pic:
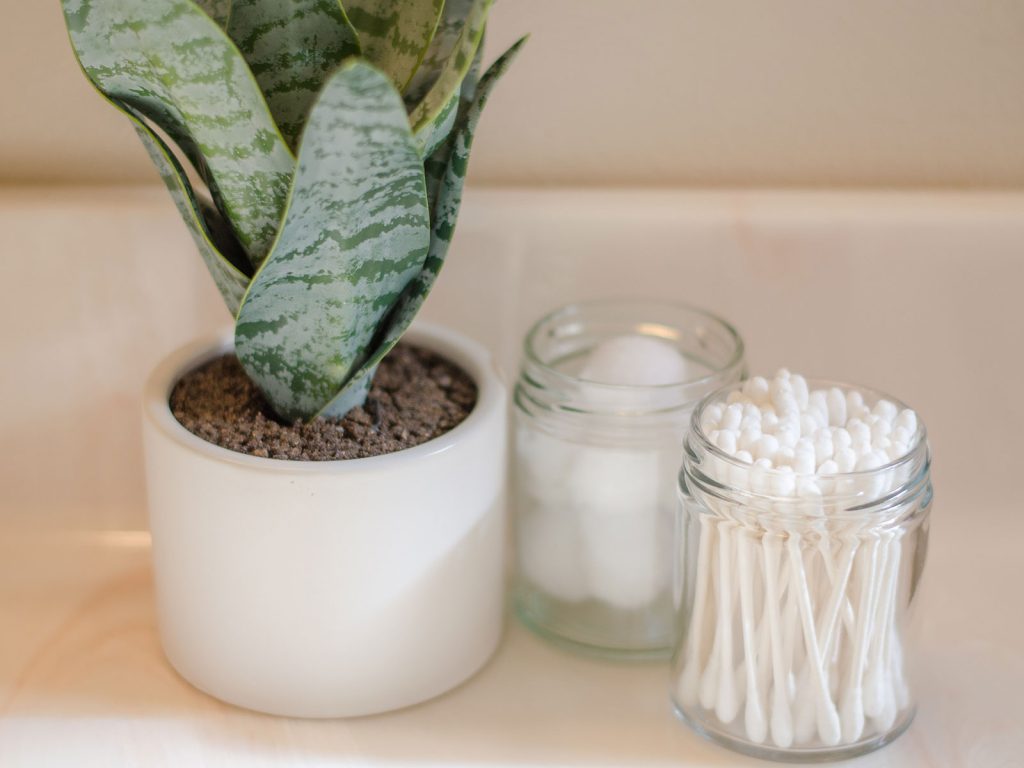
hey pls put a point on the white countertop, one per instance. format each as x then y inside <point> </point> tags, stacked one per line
<point>102,283</point>
<point>83,681</point>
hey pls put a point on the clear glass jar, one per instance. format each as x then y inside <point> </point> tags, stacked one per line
<point>595,468</point>
<point>811,580</point>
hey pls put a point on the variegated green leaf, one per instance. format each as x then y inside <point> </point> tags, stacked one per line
<point>218,10</point>
<point>171,63</point>
<point>454,68</point>
<point>430,136</point>
<point>435,166</point>
<point>467,91</point>
<point>356,232</point>
<point>292,46</point>
<point>453,158</point>
<point>446,38</point>
<point>229,279</point>
<point>395,34</point>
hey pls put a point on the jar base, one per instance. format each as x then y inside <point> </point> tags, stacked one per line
<point>810,755</point>
<point>527,613</point>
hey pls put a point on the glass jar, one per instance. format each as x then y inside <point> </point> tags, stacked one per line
<point>796,598</point>
<point>595,468</point>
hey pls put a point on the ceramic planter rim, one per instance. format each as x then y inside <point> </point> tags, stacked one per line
<point>459,349</point>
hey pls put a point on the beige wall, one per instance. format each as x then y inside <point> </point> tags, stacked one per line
<point>696,92</point>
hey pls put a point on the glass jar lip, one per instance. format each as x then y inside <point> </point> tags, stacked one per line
<point>735,360</point>
<point>918,445</point>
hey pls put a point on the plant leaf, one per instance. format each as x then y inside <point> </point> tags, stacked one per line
<point>229,279</point>
<point>218,10</point>
<point>172,64</point>
<point>292,46</point>
<point>454,68</point>
<point>430,136</point>
<point>356,232</point>
<point>453,158</point>
<point>395,34</point>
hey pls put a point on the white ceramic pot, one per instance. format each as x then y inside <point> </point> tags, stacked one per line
<point>329,589</point>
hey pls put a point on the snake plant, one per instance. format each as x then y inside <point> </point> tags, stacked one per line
<point>332,139</point>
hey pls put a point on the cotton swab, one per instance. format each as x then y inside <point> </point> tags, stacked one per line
<point>828,718</point>
<point>689,683</point>
<point>852,704</point>
<point>781,718</point>
<point>794,638</point>
<point>757,728</point>
<point>727,702</point>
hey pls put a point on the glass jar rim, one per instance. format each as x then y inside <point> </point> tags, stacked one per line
<point>567,310</point>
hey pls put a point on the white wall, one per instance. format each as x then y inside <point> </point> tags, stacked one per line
<point>694,92</point>
<point>916,294</point>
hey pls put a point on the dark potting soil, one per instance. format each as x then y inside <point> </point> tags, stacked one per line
<point>416,396</point>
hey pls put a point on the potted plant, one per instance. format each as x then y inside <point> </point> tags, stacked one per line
<point>327,145</point>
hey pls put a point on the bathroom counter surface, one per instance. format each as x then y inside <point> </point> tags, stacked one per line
<point>83,681</point>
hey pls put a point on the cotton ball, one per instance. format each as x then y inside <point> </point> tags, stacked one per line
<point>617,495</point>
<point>542,461</point>
<point>841,438</point>
<point>636,360</point>
<point>548,524</point>
<point>550,553</point>
<point>769,422</point>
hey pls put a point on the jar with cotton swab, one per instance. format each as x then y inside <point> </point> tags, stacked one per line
<point>602,405</point>
<point>802,538</point>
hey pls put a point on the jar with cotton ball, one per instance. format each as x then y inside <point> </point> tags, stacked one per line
<point>802,539</point>
<point>602,405</point>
